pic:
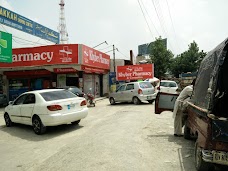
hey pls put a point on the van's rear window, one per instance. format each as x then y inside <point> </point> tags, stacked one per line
<point>57,95</point>
<point>145,85</point>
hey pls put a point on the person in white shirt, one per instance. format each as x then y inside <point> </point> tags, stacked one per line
<point>180,106</point>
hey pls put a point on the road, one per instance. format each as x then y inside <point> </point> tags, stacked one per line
<point>123,137</point>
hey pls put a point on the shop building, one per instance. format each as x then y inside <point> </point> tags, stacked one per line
<point>55,66</point>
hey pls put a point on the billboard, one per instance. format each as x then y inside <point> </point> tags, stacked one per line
<point>5,47</point>
<point>43,55</point>
<point>93,58</point>
<point>135,72</point>
<point>16,21</point>
<point>144,49</point>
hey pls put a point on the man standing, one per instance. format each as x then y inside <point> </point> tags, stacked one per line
<point>180,106</point>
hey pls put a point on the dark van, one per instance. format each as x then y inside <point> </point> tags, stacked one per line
<point>207,113</point>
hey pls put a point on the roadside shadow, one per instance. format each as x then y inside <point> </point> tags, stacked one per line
<point>185,152</point>
<point>26,132</point>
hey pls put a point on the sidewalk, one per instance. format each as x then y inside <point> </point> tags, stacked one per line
<point>100,98</point>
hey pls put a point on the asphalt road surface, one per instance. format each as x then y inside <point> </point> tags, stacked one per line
<point>122,137</point>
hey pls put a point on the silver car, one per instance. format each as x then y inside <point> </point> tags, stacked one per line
<point>133,92</point>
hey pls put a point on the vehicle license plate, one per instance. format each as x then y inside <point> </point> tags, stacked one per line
<point>68,106</point>
<point>220,157</point>
<point>149,97</point>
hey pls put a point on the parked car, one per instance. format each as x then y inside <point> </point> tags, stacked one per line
<point>168,86</point>
<point>133,92</point>
<point>3,100</point>
<point>77,91</point>
<point>207,114</point>
<point>42,108</point>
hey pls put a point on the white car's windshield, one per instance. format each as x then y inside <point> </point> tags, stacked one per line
<point>57,95</point>
<point>145,85</point>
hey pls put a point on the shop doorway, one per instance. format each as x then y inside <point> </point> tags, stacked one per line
<point>72,81</point>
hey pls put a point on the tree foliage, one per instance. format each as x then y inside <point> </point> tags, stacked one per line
<point>160,57</point>
<point>188,61</point>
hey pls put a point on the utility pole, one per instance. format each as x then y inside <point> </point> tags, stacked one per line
<point>114,59</point>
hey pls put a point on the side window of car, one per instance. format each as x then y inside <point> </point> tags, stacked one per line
<point>130,87</point>
<point>30,99</point>
<point>122,88</point>
<point>20,100</point>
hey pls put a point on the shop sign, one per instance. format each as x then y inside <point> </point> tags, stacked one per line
<point>5,47</point>
<point>135,72</point>
<point>44,55</point>
<point>16,21</point>
<point>94,58</point>
<point>93,70</point>
<point>64,70</point>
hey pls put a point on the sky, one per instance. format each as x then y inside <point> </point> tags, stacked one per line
<point>126,23</point>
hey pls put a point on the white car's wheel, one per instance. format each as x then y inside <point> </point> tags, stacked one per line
<point>112,101</point>
<point>8,120</point>
<point>136,100</point>
<point>38,126</point>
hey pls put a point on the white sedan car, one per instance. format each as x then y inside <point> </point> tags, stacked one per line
<point>168,86</point>
<point>43,108</point>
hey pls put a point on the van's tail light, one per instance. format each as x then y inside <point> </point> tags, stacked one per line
<point>54,107</point>
<point>83,103</point>
<point>140,91</point>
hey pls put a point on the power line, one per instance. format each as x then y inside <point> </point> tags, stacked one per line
<point>159,19</point>
<point>106,47</point>
<point>172,23</point>
<point>121,53</point>
<point>145,20</point>
<point>150,18</point>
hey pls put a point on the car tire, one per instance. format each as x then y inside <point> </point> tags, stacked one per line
<point>200,164</point>
<point>150,101</point>
<point>38,126</point>
<point>187,134</point>
<point>136,100</point>
<point>76,122</point>
<point>8,121</point>
<point>112,101</point>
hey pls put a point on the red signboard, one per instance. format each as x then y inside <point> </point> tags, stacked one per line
<point>93,70</point>
<point>94,58</point>
<point>135,72</point>
<point>64,70</point>
<point>44,55</point>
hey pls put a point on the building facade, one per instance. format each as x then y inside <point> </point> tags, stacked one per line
<point>55,66</point>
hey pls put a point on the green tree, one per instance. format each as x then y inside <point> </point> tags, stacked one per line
<point>188,61</point>
<point>160,57</point>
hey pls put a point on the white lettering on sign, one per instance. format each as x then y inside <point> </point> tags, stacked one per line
<point>138,74</point>
<point>134,74</point>
<point>44,56</point>
<point>95,58</point>
<point>126,74</point>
